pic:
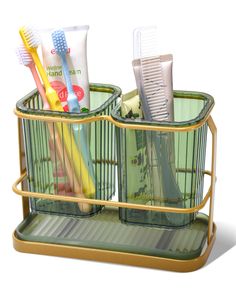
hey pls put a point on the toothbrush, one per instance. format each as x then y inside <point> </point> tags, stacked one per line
<point>25,59</point>
<point>155,108</point>
<point>61,48</point>
<point>31,41</point>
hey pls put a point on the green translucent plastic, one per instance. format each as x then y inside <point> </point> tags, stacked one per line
<point>105,231</point>
<point>139,168</point>
<point>44,168</point>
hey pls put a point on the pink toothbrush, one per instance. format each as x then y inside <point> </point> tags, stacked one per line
<point>26,60</point>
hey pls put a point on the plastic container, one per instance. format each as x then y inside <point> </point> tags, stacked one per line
<point>140,171</point>
<point>46,167</point>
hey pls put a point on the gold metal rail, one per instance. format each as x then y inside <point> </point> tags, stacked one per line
<point>126,205</point>
<point>56,119</point>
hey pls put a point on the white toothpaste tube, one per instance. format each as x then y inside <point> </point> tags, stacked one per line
<point>77,61</point>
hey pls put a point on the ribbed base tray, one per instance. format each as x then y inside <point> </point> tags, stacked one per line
<point>105,231</point>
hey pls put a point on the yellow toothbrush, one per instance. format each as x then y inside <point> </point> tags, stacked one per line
<point>31,42</point>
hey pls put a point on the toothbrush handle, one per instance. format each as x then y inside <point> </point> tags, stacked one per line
<point>39,86</point>
<point>51,94</point>
<point>76,159</point>
<point>40,68</point>
<point>74,184</point>
<point>53,99</point>
<point>70,145</point>
<point>66,73</point>
<point>72,99</point>
<point>79,131</point>
<point>73,103</point>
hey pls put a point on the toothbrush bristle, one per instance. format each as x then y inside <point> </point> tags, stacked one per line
<point>30,37</point>
<point>24,56</point>
<point>59,42</point>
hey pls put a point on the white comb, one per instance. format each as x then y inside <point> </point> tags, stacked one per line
<point>156,107</point>
<point>153,96</point>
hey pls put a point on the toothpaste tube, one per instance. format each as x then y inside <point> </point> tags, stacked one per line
<point>77,61</point>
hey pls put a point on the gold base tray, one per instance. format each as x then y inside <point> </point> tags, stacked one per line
<point>115,256</point>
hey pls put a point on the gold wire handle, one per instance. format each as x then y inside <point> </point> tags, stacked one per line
<point>77,199</point>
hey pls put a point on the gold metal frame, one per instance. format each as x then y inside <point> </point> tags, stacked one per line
<point>114,256</point>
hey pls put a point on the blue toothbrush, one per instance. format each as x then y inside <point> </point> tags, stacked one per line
<point>61,48</point>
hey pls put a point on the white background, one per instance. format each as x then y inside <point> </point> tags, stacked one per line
<point>201,35</point>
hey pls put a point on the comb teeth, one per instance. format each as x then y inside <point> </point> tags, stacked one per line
<point>154,88</point>
<point>24,56</point>
<point>31,37</point>
<point>59,42</point>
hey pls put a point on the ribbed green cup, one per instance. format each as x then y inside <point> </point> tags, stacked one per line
<point>144,175</point>
<point>45,170</point>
